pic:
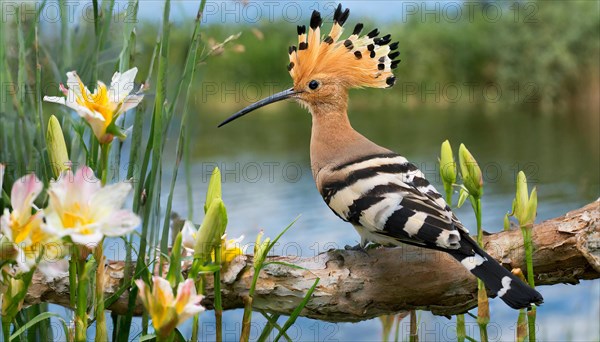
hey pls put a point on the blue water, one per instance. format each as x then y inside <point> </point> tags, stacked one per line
<point>267,183</point>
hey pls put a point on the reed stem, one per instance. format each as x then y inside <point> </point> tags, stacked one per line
<point>483,308</point>
<point>101,331</point>
<point>217,291</point>
<point>531,314</point>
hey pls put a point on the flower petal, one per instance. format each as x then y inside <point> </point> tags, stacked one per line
<point>110,197</point>
<point>24,261</point>
<point>130,102</point>
<point>74,83</point>
<point>55,99</point>
<point>24,192</point>
<point>89,240</point>
<point>187,303</point>
<point>143,293</point>
<point>55,269</point>
<point>162,291</point>
<point>5,224</point>
<point>122,84</point>
<point>119,223</point>
<point>84,185</point>
<point>188,235</point>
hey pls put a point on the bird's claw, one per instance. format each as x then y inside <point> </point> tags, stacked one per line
<point>362,248</point>
<point>358,247</point>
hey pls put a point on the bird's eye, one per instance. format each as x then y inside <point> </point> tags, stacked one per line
<point>313,84</point>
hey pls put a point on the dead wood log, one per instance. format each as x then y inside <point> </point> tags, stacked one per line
<point>359,285</point>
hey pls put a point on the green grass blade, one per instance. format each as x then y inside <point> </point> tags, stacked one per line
<point>285,264</point>
<point>188,78</point>
<point>125,58</point>
<point>65,37</point>
<point>147,337</point>
<point>21,96</point>
<point>3,71</point>
<point>159,105</point>
<point>271,324</point>
<point>40,128</point>
<point>129,36</point>
<point>281,234</point>
<point>292,319</point>
<point>31,34</point>
<point>34,321</point>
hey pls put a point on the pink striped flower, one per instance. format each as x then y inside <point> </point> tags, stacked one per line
<point>167,310</point>
<point>84,211</point>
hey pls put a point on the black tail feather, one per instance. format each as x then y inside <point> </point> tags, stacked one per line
<point>512,290</point>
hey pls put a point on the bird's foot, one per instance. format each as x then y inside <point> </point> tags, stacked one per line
<point>362,248</point>
<point>358,247</point>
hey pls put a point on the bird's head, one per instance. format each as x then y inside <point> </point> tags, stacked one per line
<point>323,69</point>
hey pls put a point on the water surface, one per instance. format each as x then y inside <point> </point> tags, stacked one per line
<point>267,183</point>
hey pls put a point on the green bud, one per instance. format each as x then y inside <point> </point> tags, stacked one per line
<point>447,166</point>
<point>524,205</point>
<point>522,196</point>
<point>532,207</point>
<point>470,172</point>
<point>260,252</point>
<point>258,241</point>
<point>214,188</point>
<point>210,231</point>
<point>57,149</point>
<point>174,275</point>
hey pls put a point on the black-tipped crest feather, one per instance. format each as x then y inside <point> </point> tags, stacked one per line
<point>315,20</point>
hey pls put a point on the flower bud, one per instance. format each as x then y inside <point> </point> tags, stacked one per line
<point>260,251</point>
<point>524,205</point>
<point>447,166</point>
<point>214,188</point>
<point>210,231</point>
<point>57,149</point>
<point>470,171</point>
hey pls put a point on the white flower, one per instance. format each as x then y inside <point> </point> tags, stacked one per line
<point>23,229</point>
<point>80,208</point>
<point>188,235</point>
<point>103,106</point>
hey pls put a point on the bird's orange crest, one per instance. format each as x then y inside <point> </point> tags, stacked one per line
<point>358,61</point>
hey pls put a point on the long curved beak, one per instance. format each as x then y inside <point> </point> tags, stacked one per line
<point>286,94</point>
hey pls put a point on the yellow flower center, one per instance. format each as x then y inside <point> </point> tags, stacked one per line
<point>98,102</point>
<point>76,217</point>
<point>30,229</point>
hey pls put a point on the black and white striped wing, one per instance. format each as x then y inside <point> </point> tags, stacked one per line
<point>390,197</point>
<point>389,201</point>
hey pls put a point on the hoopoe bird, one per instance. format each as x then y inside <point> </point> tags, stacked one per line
<point>385,197</point>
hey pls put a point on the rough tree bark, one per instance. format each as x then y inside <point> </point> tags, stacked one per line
<point>359,285</point>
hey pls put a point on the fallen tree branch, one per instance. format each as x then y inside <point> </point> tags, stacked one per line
<point>358,285</point>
